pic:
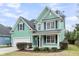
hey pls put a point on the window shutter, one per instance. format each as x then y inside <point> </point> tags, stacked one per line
<point>18,27</point>
<point>44,25</point>
<point>23,26</point>
<point>56,24</point>
<point>56,38</point>
<point>44,38</point>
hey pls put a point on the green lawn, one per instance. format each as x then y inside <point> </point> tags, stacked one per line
<point>72,48</point>
<point>71,51</point>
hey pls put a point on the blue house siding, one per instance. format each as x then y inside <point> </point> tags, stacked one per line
<point>5,40</point>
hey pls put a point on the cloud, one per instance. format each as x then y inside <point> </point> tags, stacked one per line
<point>8,14</point>
<point>71,21</point>
<point>49,4</point>
<point>69,27</point>
<point>1,4</point>
<point>19,11</point>
<point>24,14</point>
<point>4,10</point>
<point>16,6</point>
<point>7,22</point>
<point>72,18</point>
<point>53,6</point>
<point>10,10</point>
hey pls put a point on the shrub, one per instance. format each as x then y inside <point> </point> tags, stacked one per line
<point>54,49</point>
<point>41,49</point>
<point>36,49</point>
<point>71,41</point>
<point>77,43</point>
<point>21,46</point>
<point>46,49</point>
<point>64,44</point>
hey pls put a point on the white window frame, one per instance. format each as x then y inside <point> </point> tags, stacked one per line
<point>53,24</point>
<point>39,27</point>
<point>50,25</point>
<point>51,39</point>
<point>19,26</point>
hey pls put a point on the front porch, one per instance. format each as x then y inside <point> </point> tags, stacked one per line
<point>50,40</point>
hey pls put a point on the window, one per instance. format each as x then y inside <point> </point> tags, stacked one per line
<point>52,39</point>
<point>50,25</point>
<point>49,39</point>
<point>39,26</point>
<point>44,25</point>
<point>21,26</point>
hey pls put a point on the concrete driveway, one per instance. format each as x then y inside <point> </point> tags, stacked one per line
<point>7,50</point>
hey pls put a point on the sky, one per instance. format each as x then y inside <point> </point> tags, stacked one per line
<point>9,12</point>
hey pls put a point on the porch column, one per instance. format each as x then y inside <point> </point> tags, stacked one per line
<point>39,40</point>
<point>58,46</point>
<point>42,40</point>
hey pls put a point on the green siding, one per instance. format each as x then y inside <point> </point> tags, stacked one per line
<point>25,33</point>
<point>28,34</point>
<point>48,16</point>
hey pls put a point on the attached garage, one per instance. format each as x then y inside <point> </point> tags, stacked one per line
<point>22,32</point>
<point>21,40</point>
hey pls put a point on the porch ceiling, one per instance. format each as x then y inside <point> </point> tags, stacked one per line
<point>49,32</point>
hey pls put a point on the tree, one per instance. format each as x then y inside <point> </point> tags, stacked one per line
<point>73,36</point>
<point>77,31</point>
<point>70,37</point>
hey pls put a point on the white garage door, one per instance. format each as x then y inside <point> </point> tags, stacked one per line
<point>17,40</point>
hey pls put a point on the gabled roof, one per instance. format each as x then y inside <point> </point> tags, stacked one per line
<point>4,31</point>
<point>45,12</point>
<point>29,23</point>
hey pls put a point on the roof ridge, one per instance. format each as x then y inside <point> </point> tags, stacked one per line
<point>31,24</point>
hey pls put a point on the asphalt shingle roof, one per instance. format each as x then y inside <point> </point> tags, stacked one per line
<point>30,23</point>
<point>4,31</point>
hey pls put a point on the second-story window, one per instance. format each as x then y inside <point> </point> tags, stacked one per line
<point>21,26</point>
<point>39,26</point>
<point>50,25</point>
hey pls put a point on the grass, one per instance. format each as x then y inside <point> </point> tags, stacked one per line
<point>71,51</point>
<point>72,48</point>
<point>4,46</point>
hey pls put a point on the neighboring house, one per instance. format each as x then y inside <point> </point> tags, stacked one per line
<point>5,37</point>
<point>46,31</point>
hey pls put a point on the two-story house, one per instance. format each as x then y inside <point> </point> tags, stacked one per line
<point>46,31</point>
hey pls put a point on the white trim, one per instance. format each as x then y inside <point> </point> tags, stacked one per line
<point>27,24</point>
<point>50,25</point>
<point>22,26</point>
<point>18,22</point>
<point>51,39</point>
<point>54,12</point>
<point>58,42</point>
<point>39,27</point>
